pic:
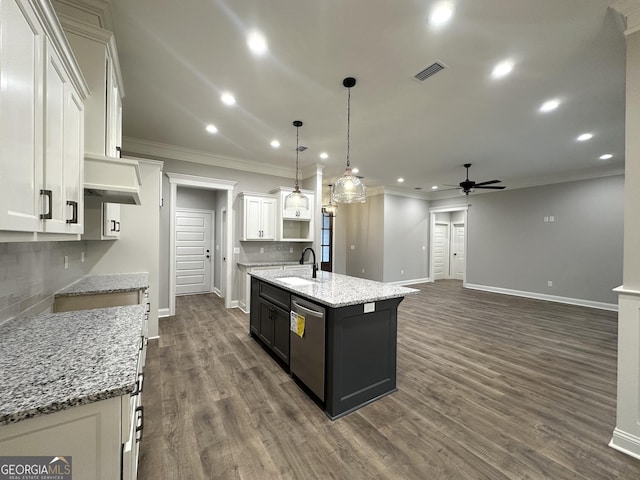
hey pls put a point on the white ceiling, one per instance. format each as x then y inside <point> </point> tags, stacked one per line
<point>178,57</point>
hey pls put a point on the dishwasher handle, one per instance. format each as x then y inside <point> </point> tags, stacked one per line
<point>309,311</point>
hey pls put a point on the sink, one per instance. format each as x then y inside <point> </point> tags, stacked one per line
<point>296,281</point>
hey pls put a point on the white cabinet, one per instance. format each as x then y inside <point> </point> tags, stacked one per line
<point>294,224</point>
<point>41,124</point>
<point>96,51</point>
<point>111,220</point>
<point>258,217</point>
<point>63,162</point>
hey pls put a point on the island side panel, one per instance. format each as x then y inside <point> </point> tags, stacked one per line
<point>361,355</point>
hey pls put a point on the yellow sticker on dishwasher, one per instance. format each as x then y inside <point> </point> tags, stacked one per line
<point>296,325</point>
<point>300,326</point>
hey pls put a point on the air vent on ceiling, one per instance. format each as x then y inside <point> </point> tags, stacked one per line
<point>430,71</point>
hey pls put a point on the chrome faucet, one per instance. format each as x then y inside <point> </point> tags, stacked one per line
<point>315,266</point>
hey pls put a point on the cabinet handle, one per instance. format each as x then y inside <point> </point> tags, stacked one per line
<point>49,214</point>
<point>118,227</point>
<point>74,215</point>
<point>113,229</point>
<point>138,388</point>
<point>139,422</point>
<point>297,213</point>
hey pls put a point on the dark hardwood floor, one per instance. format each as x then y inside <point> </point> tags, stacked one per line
<point>489,387</point>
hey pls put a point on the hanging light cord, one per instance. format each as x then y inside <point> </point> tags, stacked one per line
<point>297,153</point>
<point>348,122</point>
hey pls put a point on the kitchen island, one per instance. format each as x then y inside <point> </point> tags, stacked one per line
<point>335,334</point>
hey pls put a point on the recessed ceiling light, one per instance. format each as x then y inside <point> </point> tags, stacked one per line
<point>584,136</point>
<point>441,13</point>
<point>324,155</point>
<point>211,128</point>
<point>355,170</point>
<point>549,105</point>
<point>257,43</point>
<point>502,69</point>
<point>400,180</point>
<point>606,156</point>
<point>435,187</point>
<point>228,98</point>
<point>275,143</point>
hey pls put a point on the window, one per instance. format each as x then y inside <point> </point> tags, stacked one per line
<point>326,247</point>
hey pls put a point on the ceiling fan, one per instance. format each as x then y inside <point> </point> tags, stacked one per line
<point>469,185</point>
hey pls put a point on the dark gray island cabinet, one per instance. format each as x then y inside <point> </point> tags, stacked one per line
<point>346,355</point>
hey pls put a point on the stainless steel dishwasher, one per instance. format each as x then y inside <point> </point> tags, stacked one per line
<point>307,352</point>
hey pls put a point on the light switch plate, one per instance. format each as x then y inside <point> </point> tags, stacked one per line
<point>370,307</point>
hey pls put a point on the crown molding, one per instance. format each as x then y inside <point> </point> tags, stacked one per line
<point>630,10</point>
<point>97,10</point>
<point>136,146</point>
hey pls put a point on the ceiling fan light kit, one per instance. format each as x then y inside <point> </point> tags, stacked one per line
<point>296,199</point>
<point>349,188</point>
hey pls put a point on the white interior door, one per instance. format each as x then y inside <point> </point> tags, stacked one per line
<point>193,251</point>
<point>441,251</point>
<point>458,253</point>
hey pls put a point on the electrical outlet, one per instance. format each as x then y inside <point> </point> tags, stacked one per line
<point>290,249</point>
<point>549,283</point>
<point>552,218</point>
<point>424,247</point>
<point>82,257</point>
<point>363,270</point>
<point>353,247</point>
<point>66,262</point>
<point>261,249</point>
<point>217,248</point>
<point>401,272</point>
<point>546,219</point>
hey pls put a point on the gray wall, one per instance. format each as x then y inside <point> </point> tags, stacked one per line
<point>511,246</point>
<point>32,272</point>
<point>196,198</point>
<point>365,233</point>
<point>406,232</point>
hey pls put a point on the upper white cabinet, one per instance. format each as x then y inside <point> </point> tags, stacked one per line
<point>294,224</point>
<point>96,52</point>
<point>41,124</point>
<point>258,216</point>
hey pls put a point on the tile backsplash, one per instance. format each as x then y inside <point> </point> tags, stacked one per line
<point>32,272</point>
<point>272,251</point>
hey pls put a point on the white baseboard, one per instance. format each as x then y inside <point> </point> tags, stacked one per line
<point>410,282</point>
<point>164,312</point>
<point>217,292</point>
<point>626,443</point>
<point>549,298</point>
<point>234,304</point>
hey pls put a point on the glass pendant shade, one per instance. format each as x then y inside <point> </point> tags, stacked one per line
<point>331,208</point>
<point>296,200</point>
<point>349,189</point>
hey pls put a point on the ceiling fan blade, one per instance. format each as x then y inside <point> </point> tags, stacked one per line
<point>493,188</point>
<point>488,182</point>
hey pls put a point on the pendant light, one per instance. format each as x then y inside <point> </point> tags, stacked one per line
<point>296,200</point>
<point>330,209</point>
<point>349,188</point>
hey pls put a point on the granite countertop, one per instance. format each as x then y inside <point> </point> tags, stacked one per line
<point>111,283</point>
<point>272,263</point>
<point>56,361</point>
<point>334,290</point>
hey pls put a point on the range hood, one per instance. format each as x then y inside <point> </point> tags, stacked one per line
<point>112,180</point>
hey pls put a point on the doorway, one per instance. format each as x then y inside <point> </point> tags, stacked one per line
<point>448,243</point>
<point>193,243</point>
<point>206,183</point>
